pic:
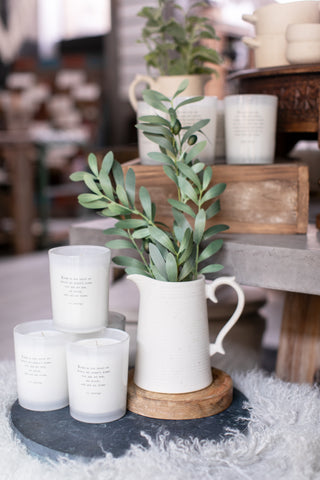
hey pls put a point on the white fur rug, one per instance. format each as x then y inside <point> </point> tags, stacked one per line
<point>282,442</point>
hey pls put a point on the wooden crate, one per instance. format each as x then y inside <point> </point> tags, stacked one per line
<point>258,198</point>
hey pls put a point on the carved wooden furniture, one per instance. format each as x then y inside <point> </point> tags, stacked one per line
<point>298,91</point>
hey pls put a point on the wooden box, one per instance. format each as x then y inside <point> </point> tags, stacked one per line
<point>258,198</point>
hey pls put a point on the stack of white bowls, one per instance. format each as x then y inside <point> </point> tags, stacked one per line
<point>285,33</point>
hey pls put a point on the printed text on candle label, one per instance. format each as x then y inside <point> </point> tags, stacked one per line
<point>247,124</point>
<point>35,368</point>
<point>93,379</point>
<point>75,288</point>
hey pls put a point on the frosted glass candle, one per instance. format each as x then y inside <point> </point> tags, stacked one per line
<point>40,356</point>
<point>98,377</point>
<point>116,320</point>
<point>250,128</point>
<point>79,279</point>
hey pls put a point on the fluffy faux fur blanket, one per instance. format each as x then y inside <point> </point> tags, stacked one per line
<point>282,442</point>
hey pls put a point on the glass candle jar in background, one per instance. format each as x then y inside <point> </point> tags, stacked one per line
<point>79,280</point>
<point>40,356</point>
<point>250,128</point>
<point>98,377</point>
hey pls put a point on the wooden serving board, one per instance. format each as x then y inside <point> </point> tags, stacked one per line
<point>182,406</point>
<point>258,198</point>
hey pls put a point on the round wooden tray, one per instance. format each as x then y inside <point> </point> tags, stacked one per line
<point>182,406</point>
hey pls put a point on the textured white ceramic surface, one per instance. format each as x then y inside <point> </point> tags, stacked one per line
<point>275,17</point>
<point>173,350</point>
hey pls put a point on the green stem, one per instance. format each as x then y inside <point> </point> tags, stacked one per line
<point>139,251</point>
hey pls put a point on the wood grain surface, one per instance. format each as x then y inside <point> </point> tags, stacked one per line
<point>182,406</point>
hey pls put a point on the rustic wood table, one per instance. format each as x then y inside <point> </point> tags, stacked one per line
<point>298,90</point>
<point>289,263</point>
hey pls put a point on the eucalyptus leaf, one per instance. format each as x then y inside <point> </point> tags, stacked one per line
<point>93,205</point>
<point>213,209</point>
<point>213,192</point>
<point>93,164</point>
<point>169,171</point>
<point>91,184</point>
<point>130,184</point>
<point>77,176</point>
<point>183,207</point>
<point>206,179</point>
<point>158,259</point>
<point>118,209</point>
<point>117,173</point>
<point>155,120</point>
<point>131,223</point>
<point>194,128</point>
<point>214,230</point>
<point>210,249</point>
<point>199,226</point>
<point>215,267</point>
<point>122,195</point>
<point>128,261</point>
<point>145,201</point>
<point>89,197</point>
<point>171,268</point>
<point>159,140</point>
<point>189,100</point>
<point>116,231</point>
<point>119,243</point>
<point>107,163</point>
<point>194,151</point>
<point>153,100</point>
<point>187,189</point>
<point>141,233</point>
<point>106,185</point>
<point>162,237</point>
<point>162,158</point>
<point>189,174</point>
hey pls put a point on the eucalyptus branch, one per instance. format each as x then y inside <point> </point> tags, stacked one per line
<point>165,254</point>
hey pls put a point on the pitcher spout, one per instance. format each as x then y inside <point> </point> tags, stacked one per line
<point>138,279</point>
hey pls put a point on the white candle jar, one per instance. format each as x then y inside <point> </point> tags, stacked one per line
<point>98,377</point>
<point>40,356</point>
<point>79,279</point>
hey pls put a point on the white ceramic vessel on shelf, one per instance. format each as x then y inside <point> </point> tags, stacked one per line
<point>274,18</point>
<point>173,349</point>
<point>269,50</point>
<point>303,43</point>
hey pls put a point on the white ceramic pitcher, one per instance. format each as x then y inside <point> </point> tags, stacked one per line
<point>168,84</point>
<point>173,349</point>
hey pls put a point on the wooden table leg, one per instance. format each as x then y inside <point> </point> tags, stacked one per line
<point>299,350</point>
<point>23,204</point>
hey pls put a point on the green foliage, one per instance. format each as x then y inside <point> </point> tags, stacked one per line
<point>174,42</point>
<point>151,248</point>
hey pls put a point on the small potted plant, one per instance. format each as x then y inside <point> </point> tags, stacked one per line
<point>168,264</point>
<point>176,49</point>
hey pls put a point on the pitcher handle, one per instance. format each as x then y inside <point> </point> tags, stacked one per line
<point>211,287</point>
<point>132,88</point>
